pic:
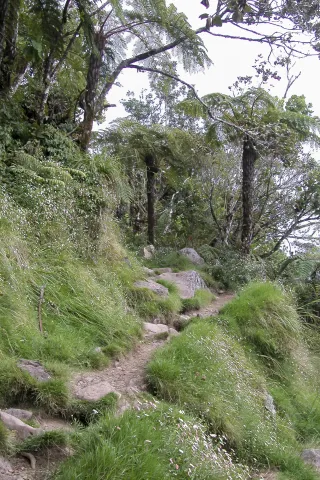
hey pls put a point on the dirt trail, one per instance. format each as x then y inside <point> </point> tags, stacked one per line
<point>213,308</point>
<point>127,375</point>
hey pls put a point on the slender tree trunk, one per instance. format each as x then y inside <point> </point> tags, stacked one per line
<point>20,73</point>
<point>9,45</point>
<point>90,97</point>
<point>151,180</point>
<point>249,157</point>
<point>3,14</point>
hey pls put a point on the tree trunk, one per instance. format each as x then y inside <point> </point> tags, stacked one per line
<point>9,45</point>
<point>151,180</point>
<point>249,157</point>
<point>90,97</point>
<point>20,73</point>
<point>3,13</point>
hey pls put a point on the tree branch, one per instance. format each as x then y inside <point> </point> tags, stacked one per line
<point>141,68</point>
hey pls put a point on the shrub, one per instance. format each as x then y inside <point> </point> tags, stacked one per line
<point>231,268</point>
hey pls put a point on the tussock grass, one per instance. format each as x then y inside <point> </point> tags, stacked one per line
<point>157,442</point>
<point>264,316</point>
<point>44,441</point>
<point>216,369</point>
<point>3,438</point>
<point>149,305</point>
<point>86,412</point>
<point>85,306</point>
<point>174,260</point>
<point>201,298</point>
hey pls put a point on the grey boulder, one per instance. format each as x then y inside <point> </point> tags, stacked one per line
<point>312,456</point>
<point>187,282</point>
<point>35,369</point>
<point>153,286</point>
<point>192,255</point>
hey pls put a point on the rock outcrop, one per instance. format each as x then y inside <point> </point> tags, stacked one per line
<point>187,282</point>
<point>192,255</point>
<point>35,369</point>
<point>312,456</point>
<point>153,286</point>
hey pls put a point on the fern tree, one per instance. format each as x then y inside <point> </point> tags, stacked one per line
<point>153,30</point>
<point>158,161</point>
<point>264,126</point>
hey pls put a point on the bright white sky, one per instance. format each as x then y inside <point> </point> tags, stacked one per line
<point>231,58</point>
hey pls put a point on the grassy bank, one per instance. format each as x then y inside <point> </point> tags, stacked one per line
<point>222,369</point>
<point>58,306</point>
<point>158,441</point>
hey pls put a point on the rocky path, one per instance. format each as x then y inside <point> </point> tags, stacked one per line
<point>214,308</point>
<point>126,376</point>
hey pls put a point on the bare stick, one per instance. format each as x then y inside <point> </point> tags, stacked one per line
<point>41,300</point>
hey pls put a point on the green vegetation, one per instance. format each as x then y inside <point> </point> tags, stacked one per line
<point>171,259</point>
<point>156,441</point>
<point>264,316</point>
<point>3,438</point>
<point>150,305</point>
<point>231,175</point>
<point>221,371</point>
<point>84,305</point>
<point>44,441</point>
<point>85,412</point>
<point>201,298</point>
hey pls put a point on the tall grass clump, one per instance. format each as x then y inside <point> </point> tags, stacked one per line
<point>83,316</point>
<point>168,258</point>
<point>156,442</point>
<point>264,316</point>
<point>216,370</point>
<point>150,305</point>
<point>201,298</point>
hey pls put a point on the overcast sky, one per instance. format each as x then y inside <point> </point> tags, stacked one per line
<point>231,58</point>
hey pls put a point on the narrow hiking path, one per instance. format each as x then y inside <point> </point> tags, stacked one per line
<point>126,376</point>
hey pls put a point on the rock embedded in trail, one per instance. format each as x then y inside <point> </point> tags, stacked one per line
<point>187,282</point>
<point>153,286</point>
<point>13,423</point>
<point>158,271</point>
<point>148,271</point>
<point>192,255</point>
<point>35,369</point>
<point>312,456</point>
<point>154,329</point>
<point>18,413</point>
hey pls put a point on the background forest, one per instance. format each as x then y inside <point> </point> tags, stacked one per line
<point>232,176</point>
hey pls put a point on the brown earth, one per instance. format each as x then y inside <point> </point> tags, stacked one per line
<point>126,376</point>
